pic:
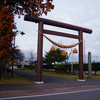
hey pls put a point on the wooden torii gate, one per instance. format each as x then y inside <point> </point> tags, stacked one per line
<point>43,21</point>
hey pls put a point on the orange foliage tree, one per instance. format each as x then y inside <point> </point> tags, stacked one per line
<point>30,7</point>
<point>9,8</point>
<point>6,34</point>
<point>6,37</point>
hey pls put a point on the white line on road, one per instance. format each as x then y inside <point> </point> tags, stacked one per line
<point>20,97</point>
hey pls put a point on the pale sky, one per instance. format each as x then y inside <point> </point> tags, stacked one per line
<point>84,13</point>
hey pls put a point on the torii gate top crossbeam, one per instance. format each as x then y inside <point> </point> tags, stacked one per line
<point>55,23</point>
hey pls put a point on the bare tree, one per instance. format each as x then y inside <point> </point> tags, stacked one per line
<point>32,54</point>
<point>21,56</point>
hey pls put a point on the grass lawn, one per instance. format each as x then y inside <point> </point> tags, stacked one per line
<point>14,80</point>
<point>65,75</point>
<point>73,77</point>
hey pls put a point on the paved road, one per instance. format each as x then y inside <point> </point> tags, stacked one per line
<point>89,94</point>
<point>51,83</point>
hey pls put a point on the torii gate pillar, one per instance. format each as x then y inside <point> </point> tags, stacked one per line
<point>81,77</point>
<point>39,55</point>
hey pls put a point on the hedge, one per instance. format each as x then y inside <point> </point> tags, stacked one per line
<point>28,66</point>
<point>48,66</point>
<point>95,67</point>
<point>44,66</point>
<point>57,67</point>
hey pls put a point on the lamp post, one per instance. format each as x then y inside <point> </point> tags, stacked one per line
<point>74,51</point>
<point>84,53</point>
<point>22,33</point>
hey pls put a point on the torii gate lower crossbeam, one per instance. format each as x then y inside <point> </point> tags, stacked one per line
<point>43,21</point>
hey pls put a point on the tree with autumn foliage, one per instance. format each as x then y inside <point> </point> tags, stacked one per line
<point>29,7</point>
<point>6,34</point>
<point>6,37</point>
<point>9,8</point>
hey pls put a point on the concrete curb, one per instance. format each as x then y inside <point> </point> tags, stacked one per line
<point>45,90</point>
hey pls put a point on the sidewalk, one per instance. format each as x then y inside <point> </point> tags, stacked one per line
<point>50,84</point>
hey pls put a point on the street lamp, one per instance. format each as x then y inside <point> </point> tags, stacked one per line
<point>16,32</point>
<point>74,51</point>
<point>22,33</point>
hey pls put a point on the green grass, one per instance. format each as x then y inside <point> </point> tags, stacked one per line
<point>65,75</point>
<point>72,77</point>
<point>56,74</point>
<point>14,80</point>
<point>97,71</point>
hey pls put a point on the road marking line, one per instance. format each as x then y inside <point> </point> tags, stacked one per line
<point>7,98</point>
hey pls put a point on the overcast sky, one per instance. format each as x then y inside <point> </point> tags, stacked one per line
<point>84,13</point>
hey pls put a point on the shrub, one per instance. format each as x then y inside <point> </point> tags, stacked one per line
<point>85,67</point>
<point>76,67</point>
<point>27,66</point>
<point>95,67</point>
<point>48,66</point>
<point>60,68</point>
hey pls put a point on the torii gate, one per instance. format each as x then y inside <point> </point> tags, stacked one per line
<point>43,21</point>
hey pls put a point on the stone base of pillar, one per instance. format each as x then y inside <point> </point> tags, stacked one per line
<point>81,80</point>
<point>36,82</point>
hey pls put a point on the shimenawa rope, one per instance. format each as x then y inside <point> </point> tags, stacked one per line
<point>59,45</point>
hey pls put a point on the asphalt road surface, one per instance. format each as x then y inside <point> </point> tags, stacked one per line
<point>89,94</point>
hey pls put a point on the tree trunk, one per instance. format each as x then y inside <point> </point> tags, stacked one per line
<point>5,72</point>
<point>31,66</point>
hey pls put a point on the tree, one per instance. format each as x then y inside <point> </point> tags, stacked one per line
<point>18,56</point>
<point>54,56</point>
<point>4,65</point>
<point>30,7</point>
<point>9,8</point>
<point>32,57</point>
<point>21,56</point>
<point>6,37</point>
<point>6,34</point>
